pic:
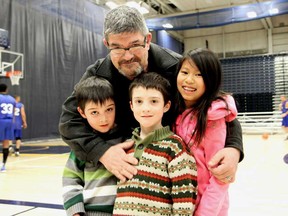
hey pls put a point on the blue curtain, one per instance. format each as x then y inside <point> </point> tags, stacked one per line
<point>59,40</point>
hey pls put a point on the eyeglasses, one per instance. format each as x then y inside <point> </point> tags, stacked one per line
<point>133,49</point>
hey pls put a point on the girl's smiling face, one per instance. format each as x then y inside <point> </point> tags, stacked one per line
<point>190,83</point>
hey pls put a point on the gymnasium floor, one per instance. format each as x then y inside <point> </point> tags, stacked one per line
<point>32,184</point>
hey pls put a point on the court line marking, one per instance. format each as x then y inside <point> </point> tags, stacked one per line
<point>34,204</point>
<point>37,158</point>
<point>27,210</point>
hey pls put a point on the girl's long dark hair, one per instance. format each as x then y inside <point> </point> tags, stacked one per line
<point>211,71</point>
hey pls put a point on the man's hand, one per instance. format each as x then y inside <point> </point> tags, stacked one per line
<point>224,164</point>
<point>118,162</point>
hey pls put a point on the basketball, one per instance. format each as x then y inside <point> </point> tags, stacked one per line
<point>265,136</point>
<point>286,158</point>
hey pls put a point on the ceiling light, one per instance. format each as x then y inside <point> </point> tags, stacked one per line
<point>167,25</point>
<point>251,14</point>
<point>133,4</point>
<point>144,8</point>
<point>111,4</point>
<point>141,9</point>
<point>274,11</point>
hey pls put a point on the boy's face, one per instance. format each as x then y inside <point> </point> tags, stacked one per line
<point>100,117</point>
<point>148,108</point>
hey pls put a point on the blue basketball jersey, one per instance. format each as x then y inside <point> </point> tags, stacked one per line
<point>284,106</point>
<point>285,110</point>
<point>7,104</point>
<point>18,118</point>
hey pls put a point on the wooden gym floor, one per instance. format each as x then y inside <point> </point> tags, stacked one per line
<point>32,184</point>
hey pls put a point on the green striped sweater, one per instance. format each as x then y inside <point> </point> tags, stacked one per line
<point>89,188</point>
<point>166,182</point>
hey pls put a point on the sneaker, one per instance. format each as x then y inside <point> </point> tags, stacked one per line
<point>11,150</point>
<point>3,168</point>
<point>17,153</point>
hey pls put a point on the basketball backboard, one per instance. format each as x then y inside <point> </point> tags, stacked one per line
<point>11,63</point>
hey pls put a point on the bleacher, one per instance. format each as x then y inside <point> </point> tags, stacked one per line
<point>260,122</point>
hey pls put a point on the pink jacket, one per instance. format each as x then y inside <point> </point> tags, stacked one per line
<point>212,199</point>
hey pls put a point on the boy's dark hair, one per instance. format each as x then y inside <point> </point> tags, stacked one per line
<point>95,89</point>
<point>3,87</point>
<point>152,80</point>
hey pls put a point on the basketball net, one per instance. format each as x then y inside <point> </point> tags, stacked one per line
<point>15,77</point>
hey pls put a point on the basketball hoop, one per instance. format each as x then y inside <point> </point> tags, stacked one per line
<point>15,77</point>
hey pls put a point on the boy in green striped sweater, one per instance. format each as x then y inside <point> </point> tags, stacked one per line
<point>166,181</point>
<point>90,189</point>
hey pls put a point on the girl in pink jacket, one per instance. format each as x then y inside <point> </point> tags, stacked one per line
<point>203,112</point>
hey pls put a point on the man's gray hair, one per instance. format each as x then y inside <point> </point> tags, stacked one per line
<point>124,19</point>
